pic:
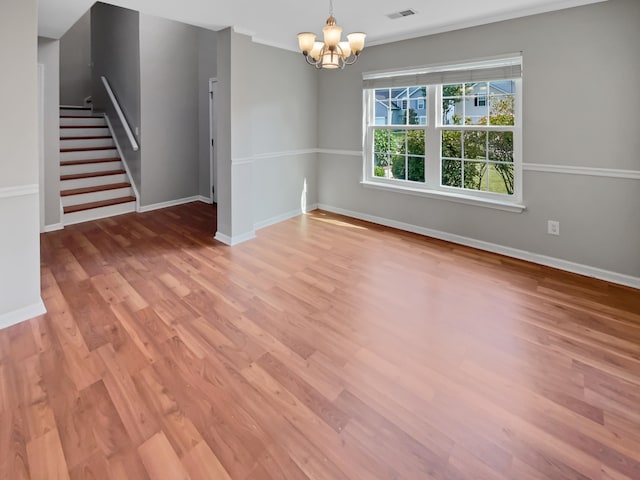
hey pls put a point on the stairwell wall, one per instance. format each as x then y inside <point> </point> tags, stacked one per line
<point>75,62</point>
<point>115,52</point>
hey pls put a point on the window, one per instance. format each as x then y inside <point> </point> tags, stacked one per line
<point>443,131</point>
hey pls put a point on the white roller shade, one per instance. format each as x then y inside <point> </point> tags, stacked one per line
<point>479,71</point>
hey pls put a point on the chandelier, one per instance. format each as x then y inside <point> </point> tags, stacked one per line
<point>332,53</point>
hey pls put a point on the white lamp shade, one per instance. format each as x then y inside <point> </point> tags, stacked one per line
<point>315,51</point>
<point>332,35</point>
<point>306,41</point>
<point>330,59</point>
<point>356,41</point>
<point>345,48</point>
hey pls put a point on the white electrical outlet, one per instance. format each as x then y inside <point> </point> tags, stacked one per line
<point>553,227</point>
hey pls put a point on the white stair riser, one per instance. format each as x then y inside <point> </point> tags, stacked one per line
<point>96,196</point>
<point>83,121</point>
<point>84,132</point>
<point>76,111</point>
<point>97,213</point>
<point>91,167</point>
<point>93,181</point>
<point>94,142</point>
<point>86,155</point>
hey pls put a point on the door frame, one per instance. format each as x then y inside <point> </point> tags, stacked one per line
<point>213,164</point>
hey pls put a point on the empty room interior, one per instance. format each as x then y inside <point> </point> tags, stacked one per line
<point>346,239</point>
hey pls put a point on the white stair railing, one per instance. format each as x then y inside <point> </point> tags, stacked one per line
<point>123,120</point>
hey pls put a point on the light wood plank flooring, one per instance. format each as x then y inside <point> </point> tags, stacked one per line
<point>327,348</point>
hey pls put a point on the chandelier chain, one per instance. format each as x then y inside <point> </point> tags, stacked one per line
<point>331,8</point>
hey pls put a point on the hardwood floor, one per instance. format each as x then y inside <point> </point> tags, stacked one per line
<point>327,348</point>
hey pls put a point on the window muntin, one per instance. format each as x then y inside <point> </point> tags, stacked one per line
<point>473,147</point>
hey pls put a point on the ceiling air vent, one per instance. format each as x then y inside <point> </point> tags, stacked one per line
<point>404,13</point>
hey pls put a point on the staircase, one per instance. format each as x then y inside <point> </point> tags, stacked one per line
<point>93,181</point>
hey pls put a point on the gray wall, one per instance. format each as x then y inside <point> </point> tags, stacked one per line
<point>49,57</point>
<point>19,206</point>
<point>115,50</point>
<point>223,131</point>
<point>75,62</point>
<point>580,108</point>
<point>177,61</point>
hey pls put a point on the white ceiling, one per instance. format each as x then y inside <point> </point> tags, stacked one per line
<point>277,22</point>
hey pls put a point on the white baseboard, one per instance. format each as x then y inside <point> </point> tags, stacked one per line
<point>53,227</point>
<point>558,263</point>
<point>170,203</point>
<point>202,198</point>
<point>232,241</point>
<point>22,314</point>
<point>285,216</point>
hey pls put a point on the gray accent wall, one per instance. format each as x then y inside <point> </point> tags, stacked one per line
<point>75,62</point>
<point>580,108</point>
<point>49,57</point>
<point>169,104</point>
<point>207,68</point>
<point>115,50</point>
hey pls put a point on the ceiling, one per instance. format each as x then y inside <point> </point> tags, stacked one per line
<point>277,22</point>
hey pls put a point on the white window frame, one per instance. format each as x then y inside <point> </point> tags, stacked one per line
<point>433,162</point>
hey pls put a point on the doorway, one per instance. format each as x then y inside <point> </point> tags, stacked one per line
<point>213,165</point>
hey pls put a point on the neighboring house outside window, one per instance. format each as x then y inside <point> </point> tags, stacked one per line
<point>460,138</point>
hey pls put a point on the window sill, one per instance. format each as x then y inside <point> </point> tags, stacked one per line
<point>448,196</point>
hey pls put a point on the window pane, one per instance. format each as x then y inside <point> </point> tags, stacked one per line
<point>476,110</point>
<point>415,142</point>
<point>381,141</point>
<point>502,110</point>
<point>475,175</point>
<point>501,146</point>
<point>451,144</point>
<point>398,169</point>
<point>501,178</point>
<point>382,108</point>
<point>475,144</point>
<point>398,141</point>
<point>452,104</point>
<point>417,112</point>
<point>452,173</point>
<point>416,169</point>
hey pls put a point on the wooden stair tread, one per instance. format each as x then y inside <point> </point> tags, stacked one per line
<point>98,188</point>
<point>83,126</point>
<point>91,174</point>
<point>100,137</point>
<point>102,203</point>
<point>85,149</point>
<point>74,107</point>
<point>67,163</point>
<point>81,116</point>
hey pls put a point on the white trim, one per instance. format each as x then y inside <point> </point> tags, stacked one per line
<point>19,190</point>
<point>284,216</point>
<point>241,161</point>
<point>348,153</point>
<point>41,139</point>
<point>124,161</point>
<point>22,314</point>
<point>202,198</point>
<point>54,227</point>
<point>286,153</point>
<point>559,263</point>
<point>123,119</point>
<point>169,203</point>
<point>232,241</point>
<point>577,170</point>
<point>534,167</point>
<point>448,196</point>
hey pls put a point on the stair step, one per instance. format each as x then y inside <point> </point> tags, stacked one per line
<point>84,121</point>
<point>88,154</point>
<point>83,126</point>
<point>80,116</point>
<point>74,107</point>
<point>103,203</point>
<point>86,161</point>
<point>98,188</point>
<point>77,176</point>
<point>101,137</point>
<point>85,149</point>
